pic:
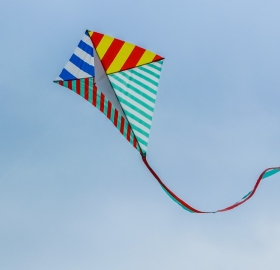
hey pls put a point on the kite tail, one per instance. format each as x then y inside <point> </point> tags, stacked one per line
<point>266,173</point>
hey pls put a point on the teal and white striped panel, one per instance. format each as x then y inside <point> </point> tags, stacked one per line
<point>136,90</point>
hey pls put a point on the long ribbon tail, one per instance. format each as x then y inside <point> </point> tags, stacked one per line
<point>266,173</point>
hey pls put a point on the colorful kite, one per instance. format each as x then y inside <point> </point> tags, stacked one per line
<point>121,80</point>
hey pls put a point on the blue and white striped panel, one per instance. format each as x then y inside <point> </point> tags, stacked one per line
<point>81,63</point>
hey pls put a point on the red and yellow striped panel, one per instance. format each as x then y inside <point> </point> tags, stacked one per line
<point>117,55</point>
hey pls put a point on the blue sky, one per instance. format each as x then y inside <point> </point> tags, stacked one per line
<point>75,195</point>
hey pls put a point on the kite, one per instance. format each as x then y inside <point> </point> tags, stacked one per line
<point>121,80</point>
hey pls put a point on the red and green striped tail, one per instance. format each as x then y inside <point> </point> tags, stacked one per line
<point>88,90</point>
<point>266,173</point>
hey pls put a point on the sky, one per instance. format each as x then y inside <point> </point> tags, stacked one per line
<point>74,194</point>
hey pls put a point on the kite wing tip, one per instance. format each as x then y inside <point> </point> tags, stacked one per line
<point>57,80</point>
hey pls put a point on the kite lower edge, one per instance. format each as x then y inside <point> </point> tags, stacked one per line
<point>266,173</point>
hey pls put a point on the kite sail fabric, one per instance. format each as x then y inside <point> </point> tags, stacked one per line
<point>134,75</point>
<point>136,90</point>
<point>121,80</point>
<point>81,63</point>
<point>88,90</point>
